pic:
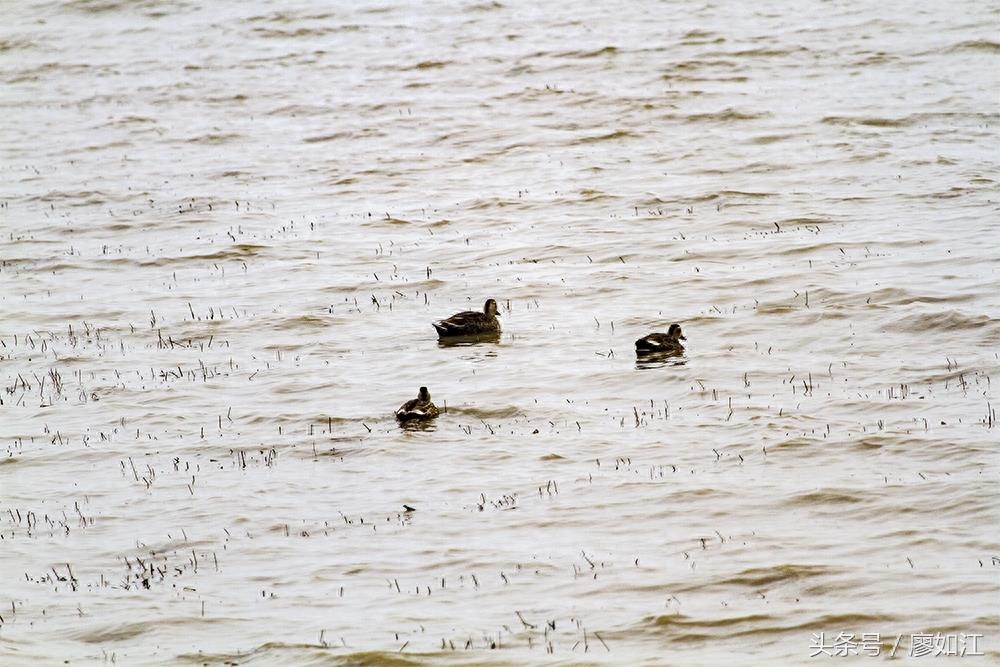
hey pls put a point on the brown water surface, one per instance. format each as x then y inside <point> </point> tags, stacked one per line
<point>226,228</point>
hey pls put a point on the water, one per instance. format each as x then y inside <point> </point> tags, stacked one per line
<point>226,230</point>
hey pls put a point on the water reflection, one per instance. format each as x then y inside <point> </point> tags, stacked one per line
<point>659,359</point>
<point>418,425</point>
<point>467,341</point>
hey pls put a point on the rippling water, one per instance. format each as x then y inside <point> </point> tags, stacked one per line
<point>226,230</point>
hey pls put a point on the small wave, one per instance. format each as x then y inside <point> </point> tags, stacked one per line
<point>951,193</point>
<point>521,69</point>
<point>304,654</point>
<point>130,120</point>
<point>685,628</point>
<point>702,37</point>
<point>728,115</point>
<point>390,220</point>
<point>15,44</point>
<point>36,73</point>
<point>745,193</point>
<point>117,632</point>
<point>805,221</point>
<point>304,321</point>
<point>429,64</point>
<point>705,629</point>
<point>81,198</point>
<point>681,620</point>
<point>950,320</point>
<point>237,251</point>
<point>327,137</point>
<point>687,78</point>
<point>95,6</point>
<point>875,59</point>
<point>766,53</point>
<point>294,110</point>
<point>320,421</point>
<point>894,296</point>
<point>611,136</point>
<point>686,65</point>
<point>704,197</point>
<point>765,139</point>
<point>825,497</point>
<point>484,7</point>
<point>976,45</point>
<point>506,412</point>
<point>287,17</point>
<point>490,202</point>
<point>215,138</point>
<point>606,51</point>
<point>822,622</point>
<point>273,33</point>
<point>591,195</point>
<point>763,577</point>
<point>868,121</point>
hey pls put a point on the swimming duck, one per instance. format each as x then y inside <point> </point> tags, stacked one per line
<point>471,323</point>
<point>661,342</point>
<point>419,408</point>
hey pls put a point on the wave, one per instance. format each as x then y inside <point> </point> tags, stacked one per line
<point>728,115</point>
<point>764,577</point>
<point>610,136</point>
<point>825,497</point>
<point>949,118</point>
<point>429,64</point>
<point>503,412</point>
<point>985,45</point>
<point>596,53</point>
<point>870,121</point>
<point>949,320</point>
<point>701,629</point>
<point>215,138</point>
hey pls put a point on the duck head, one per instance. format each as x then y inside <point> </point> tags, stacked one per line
<point>490,308</point>
<point>423,394</point>
<point>675,332</point>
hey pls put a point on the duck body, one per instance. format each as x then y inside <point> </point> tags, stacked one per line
<point>418,409</point>
<point>470,323</point>
<point>669,342</point>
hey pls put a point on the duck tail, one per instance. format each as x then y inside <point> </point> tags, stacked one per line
<point>410,414</point>
<point>644,345</point>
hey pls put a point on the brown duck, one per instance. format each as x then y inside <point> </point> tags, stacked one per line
<point>471,323</point>
<point>419,408</point>
<point>669,342</point>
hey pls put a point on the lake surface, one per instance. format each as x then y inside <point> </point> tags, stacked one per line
<point>226,230</point>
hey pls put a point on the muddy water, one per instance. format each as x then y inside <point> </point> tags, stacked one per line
<point>226,230</point>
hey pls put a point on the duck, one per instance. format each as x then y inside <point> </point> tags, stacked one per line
<point>471,323</point>
<point>418,409</point>
<point>669,342</point>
